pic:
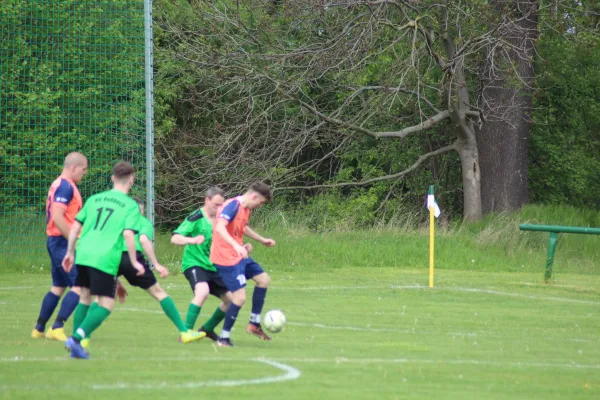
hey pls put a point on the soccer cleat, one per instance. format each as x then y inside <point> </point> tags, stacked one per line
<point>224,342</point>
<point>191,336</point>
<point>56,334</point>
<point>35,334</point>
<point>210,334</point>
<point>257,331</point>
<point>85,343</point>
<point>77,351</point>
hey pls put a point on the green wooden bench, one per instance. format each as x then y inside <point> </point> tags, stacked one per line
<point>553,240</point>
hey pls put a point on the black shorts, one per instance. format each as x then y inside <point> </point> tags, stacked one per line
<point>195,275</point>
<point>144,281</point>
<point>100,283</point>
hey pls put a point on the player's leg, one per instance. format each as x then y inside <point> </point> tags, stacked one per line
<point>218,289</point>
<point>262,280</point>
<point>59,284</point>
<point>147,281</point>
<point>102,285</point>
<point>235,280</point>
<point>169,308</point>
<point>67,306</point>
<point>198,282</point>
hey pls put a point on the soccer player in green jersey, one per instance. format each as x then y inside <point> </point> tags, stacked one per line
<point>147,281</point>
<point>107,221</point>
<point>195,233</point>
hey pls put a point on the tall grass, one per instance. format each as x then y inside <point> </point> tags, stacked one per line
<point>494,244</point>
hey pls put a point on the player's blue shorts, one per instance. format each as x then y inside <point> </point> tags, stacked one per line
<point>57,248</point>
<point>235,276</point>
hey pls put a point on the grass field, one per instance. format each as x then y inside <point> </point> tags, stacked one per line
<point>353,333</point>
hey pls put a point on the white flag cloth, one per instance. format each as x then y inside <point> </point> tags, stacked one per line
<point>431,203</point>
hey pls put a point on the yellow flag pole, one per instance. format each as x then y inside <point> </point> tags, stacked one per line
<point>431,239</point>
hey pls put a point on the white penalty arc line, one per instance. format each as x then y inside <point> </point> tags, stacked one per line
<point>290,373</point>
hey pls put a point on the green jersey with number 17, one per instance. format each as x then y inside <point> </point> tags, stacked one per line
<point>105,216</point>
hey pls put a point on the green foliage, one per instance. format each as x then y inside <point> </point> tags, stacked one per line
<point>564,163</point>
<point>71,78</point>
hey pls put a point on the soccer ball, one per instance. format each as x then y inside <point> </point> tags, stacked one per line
<point>274,321</point>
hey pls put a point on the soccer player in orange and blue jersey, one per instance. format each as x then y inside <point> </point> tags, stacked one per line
<point>230,256</point>
<point>62,205</point>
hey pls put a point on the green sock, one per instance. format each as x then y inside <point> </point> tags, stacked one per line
<point>192,315</point>
<point>91,322</point>
<point>81,311</point>
<point>169,308</point>
<point>93,306</point>
<point>214,320</point>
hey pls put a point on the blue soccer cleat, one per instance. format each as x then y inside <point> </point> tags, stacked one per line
<point>77,351</point>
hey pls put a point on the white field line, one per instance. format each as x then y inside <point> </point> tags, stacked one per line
<point>371,329</point>
<point>168,286</point>
<point>483,335</point>
<point>16,287</point>
<point>290,373</point>
<point>293,373</point>
<point>424,287</point>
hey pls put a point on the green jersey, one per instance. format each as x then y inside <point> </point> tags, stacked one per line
<point>144,227</point>
<point>104,218</point>
<point>196,255</point>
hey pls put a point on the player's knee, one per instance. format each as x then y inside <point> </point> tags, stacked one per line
<point>157,292</point>
<point>200,297</point>
<point>106,302</point>
<point>85,296</point>
<point>263,280</point>
<point>239,297</point>
<point>57,290</point>
<point>76,290</point>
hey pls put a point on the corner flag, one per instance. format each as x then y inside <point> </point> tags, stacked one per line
<point>432,203</point>
<point>434,211</point>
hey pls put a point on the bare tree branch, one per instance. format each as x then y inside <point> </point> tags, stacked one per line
<point>400,174</point>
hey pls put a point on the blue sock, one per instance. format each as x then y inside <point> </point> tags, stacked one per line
<point>258,301</point>
<point>230,317</point>
<point>66,309</point>
<point>48,305</point>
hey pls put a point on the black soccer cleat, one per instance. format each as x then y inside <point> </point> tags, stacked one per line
<point>209,334</point>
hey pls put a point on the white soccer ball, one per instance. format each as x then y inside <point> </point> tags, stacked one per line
<point>274,321</point>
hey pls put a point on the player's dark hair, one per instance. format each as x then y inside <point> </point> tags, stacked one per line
<point>139,201</point>
<point>263,189</point>
<point>123,170</point>
<point>215,191</point>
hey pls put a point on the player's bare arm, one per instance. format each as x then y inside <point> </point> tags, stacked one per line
<point>180,240</point>
<point>69,259</point>
<point>58,217</point>
<point>221,230</point>
<point>149,251</point>
<point>253,235</point>
<point>130,243</point>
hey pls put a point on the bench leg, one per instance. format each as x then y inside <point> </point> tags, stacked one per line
<point>552,242</point>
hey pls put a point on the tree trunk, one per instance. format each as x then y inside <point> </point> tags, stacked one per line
<point>503,140</point>
<point>469,158</point>
<point>466,145</point>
